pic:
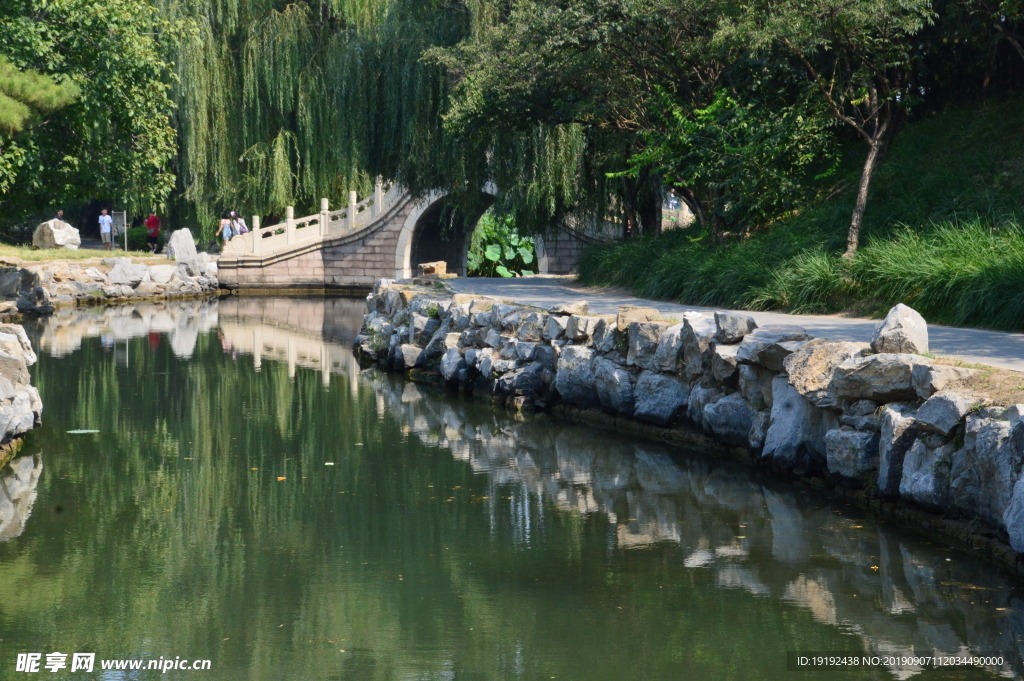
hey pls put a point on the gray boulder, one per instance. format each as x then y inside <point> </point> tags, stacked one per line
<point>700,397</point>
<point>897,434</point>
<point>56,234</point>
<point>36,300</point>
<point>1013,518</point>
<point>730,418</point>
<point>628,314</point>
<point>882,378</point>
<point>555,327</point>
<point>643,343</point>
<point>755,385</point>
<point>580,327</point>
<point>500,311</point>
<point>531,380</point>
<point>532,327</point>
<point>697,334</point>
<point>405,356</point>
<point>929,379</point>
<point>161,274</point>
<point>10,283</point>
<point>723,363</point>
<point>451,363</point>
<point>614,386</point>
<point>731,327</point>
<point>669,351</point>
<point>902,331</point>
<point>606,336</point>
<point>437,345</point>
<point>764,346</point>
<point>942,412</point>
<point>926,473</point>
<point>984,471</point>
<point>810,369</point>
<point>796,437</point>
<point>851,454</point>
<point>128,274</point>
<point>181,246</point>
<point>658,398</point>
<point>759,429</point>
<point>566,309</point>
<point>574,379</point>
<point>492,338</point>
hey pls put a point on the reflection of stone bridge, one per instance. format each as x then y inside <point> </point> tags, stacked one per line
<point>314,334</point>
<point>384,236</point>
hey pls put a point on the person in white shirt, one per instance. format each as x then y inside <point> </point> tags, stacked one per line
<point>105,227</point>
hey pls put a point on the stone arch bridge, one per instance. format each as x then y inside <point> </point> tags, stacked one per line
<point>348,250</point>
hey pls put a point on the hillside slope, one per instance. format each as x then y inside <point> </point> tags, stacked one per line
<point>944,233</point>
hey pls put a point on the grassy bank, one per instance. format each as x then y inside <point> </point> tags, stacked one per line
<point>944,233</point>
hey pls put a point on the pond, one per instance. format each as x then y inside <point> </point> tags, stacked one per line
<point>220,481</point>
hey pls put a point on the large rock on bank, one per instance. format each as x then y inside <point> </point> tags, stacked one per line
<point>810,369</point>
<point>181,246</point>
<point>902,331</point>
<point>56,234</point>
<point>659,398</point>
<point>883,378</point>
<point>574,379</point>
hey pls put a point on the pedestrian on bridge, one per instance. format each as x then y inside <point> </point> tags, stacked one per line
<point>225,228</point>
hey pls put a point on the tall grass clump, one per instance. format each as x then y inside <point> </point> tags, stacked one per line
<point>944,233</point>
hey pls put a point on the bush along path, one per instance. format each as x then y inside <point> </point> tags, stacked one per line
<point>923,438</point>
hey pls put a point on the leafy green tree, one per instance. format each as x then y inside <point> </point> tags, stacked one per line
<point>858,54</point>
<point>115,140</point>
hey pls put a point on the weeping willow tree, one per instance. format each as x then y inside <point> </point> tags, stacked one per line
<point>281,103</point>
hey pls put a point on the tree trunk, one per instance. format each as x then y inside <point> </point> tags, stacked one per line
<point>648,212</point>
<point>875,150</point>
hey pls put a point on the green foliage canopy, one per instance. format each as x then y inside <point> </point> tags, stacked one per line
<point>115,141</point>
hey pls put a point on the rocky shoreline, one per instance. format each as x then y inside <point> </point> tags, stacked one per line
<point>884,424</point>
<point>40,289</point>
<point>21,409</point>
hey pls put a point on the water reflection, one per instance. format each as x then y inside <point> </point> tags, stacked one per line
<point>182,321</point>
<point>449,538</point>
<point>18,480</point>
<point>897,593</point>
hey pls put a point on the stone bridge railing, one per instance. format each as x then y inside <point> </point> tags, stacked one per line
<point>262,243</point>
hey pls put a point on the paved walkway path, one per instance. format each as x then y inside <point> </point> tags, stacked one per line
<point>995,348</point>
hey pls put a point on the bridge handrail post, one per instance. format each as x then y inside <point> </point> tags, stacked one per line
<point>289,229</point>
<point>325,218</point>
<point>254,234</point>
<point>378,198</point>
<point>353,199</point>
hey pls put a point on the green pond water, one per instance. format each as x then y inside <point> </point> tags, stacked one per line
<point>253,498</point>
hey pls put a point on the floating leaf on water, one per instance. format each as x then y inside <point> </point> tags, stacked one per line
<point>328,463</point>
<point>82,432</point>
<point>281,478</point>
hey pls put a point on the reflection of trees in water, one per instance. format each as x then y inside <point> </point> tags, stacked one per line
<point>179,538</point>
<point>18,481</point>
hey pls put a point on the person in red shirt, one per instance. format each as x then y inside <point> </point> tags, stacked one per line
<point>152,231</point>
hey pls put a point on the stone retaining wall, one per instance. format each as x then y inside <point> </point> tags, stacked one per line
<point>882,418</point>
